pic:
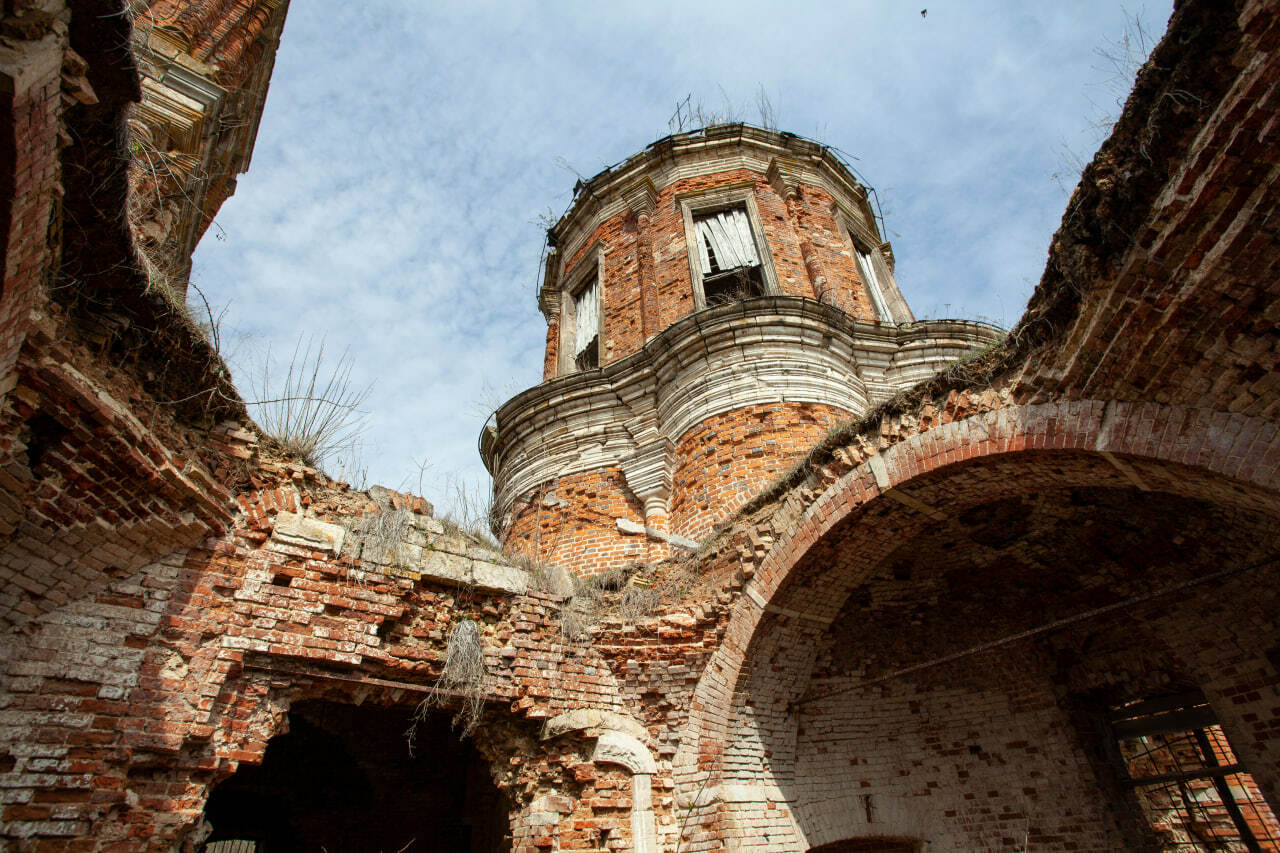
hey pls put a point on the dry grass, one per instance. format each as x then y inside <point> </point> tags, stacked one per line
<point>384,533</point>
<point>469,509</point>
<point>313,413</point>
<point>630,594</point>
<point>461,679</point>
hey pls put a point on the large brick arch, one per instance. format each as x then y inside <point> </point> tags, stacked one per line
<point>1217,457</point>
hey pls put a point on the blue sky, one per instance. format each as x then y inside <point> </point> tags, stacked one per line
<point>409,149</point>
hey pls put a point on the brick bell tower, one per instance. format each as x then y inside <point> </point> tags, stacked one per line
<point>714,304</point>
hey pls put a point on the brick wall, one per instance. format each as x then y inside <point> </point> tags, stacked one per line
<point>719,465</point>
<point>33,104</point>
<point>626,326</point>
<point>728,459</point>
<point>573,521</point>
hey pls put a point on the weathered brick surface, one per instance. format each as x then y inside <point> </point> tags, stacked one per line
<point>574,521</point>
<point>908,638</point>
<point>29,158</point>
<point>725,461</point>
<point>188,145</point>
<point>625,329</point>
<point>180,666</point>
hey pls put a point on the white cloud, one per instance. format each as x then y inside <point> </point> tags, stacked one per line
<point>406,150</point>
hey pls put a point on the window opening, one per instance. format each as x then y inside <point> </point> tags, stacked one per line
<point>1192,789</point>
<point>868,273</point>
<point>586,325</point>
<point>727,253</point>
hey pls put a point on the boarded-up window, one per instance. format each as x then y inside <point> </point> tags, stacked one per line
<point>586,325</point>
<point>727,256</point>
<point>726,242</point>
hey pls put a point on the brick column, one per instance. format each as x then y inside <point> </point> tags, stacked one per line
<point>641,199</point>
<point>31,91</point>
<point>783,175</point>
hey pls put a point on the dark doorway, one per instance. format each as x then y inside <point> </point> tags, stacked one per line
<point>342,779</point>
<point>869,845</point>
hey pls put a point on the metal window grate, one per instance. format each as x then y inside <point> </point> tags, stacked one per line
<point>232,845</point>
<point>1193,790</point>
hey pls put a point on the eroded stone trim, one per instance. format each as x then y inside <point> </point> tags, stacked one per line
<point>771,349</point>
<point>619,740</point>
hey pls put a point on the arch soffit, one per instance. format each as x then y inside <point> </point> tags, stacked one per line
<point>1238,454</point>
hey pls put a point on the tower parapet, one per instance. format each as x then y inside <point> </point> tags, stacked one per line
<point>714,305</point>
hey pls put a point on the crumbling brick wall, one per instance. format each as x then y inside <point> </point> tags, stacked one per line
<point>126,706</point>
<point>141,668</point>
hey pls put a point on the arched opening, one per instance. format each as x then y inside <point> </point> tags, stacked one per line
<point>977,658</point>
<point>342,778</point>
<point>939,658</point>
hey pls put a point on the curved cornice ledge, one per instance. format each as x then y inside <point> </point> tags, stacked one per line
<point>765,350</point>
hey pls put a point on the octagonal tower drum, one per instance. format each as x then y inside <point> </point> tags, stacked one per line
<point>715,305</point>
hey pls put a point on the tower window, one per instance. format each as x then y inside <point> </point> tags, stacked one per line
<point>586,324</point>
<point>873,261</point>
<point>872,283</point>
<point>727,254</point>
<point>729,258</point>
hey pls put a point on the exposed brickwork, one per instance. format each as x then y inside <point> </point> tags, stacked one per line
<point>180,666</point>
<point>32,108</point>
<point>721,464</point>
<point>150,691</point>
<point>186,150</point>
<point>857,530</point>
<point>625,331</point>
<point>725,461</point>
<point>912,638</point>
<point>573,521</point>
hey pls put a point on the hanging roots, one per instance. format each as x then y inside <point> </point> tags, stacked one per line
<point>462,678</point>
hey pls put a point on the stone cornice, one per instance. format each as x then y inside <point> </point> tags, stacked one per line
<point>765,350</point>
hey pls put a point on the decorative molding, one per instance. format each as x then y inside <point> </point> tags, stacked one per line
<point>621,748</point>
<point>620,741</point>
<point>641,197</point>
<point>764,350</point>
<point>592,721</point>
<point>648,469</point>
<point>784,175</point>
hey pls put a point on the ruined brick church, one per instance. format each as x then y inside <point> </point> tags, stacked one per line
<point>781,568</point>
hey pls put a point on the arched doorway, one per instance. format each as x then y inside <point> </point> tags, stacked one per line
<point>931,649</point>
<point>342,778</point>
